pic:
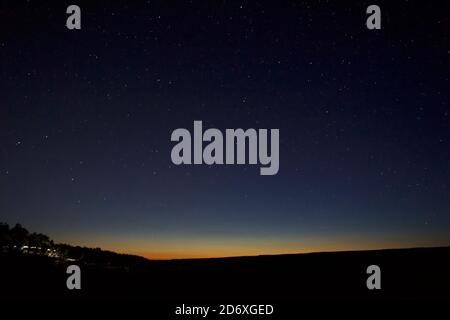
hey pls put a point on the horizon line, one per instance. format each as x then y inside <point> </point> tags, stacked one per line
<point>288,254</point>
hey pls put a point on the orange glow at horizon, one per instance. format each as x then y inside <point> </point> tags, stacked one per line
<point>203,254</point>
<point>236,251</point>
<point>189,247</point>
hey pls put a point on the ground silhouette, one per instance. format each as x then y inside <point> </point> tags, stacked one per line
<point>418,273</point>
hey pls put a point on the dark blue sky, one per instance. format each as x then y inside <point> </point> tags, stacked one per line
<point>364,118</point>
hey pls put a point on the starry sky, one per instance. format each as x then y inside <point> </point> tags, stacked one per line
<point>364,117</point>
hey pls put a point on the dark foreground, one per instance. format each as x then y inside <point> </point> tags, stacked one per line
<point>406,275</point>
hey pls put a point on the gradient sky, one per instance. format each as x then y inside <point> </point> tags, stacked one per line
<point>364,118</point>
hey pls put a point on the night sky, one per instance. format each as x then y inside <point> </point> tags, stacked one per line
<point>364,116</point>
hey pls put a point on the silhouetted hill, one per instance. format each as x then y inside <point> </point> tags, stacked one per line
<point>406,274</point>
<point>314,279</point>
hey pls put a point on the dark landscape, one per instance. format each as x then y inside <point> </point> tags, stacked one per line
<point>417,273</point>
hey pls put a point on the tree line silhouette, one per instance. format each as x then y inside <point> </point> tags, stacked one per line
<point>19,241</point>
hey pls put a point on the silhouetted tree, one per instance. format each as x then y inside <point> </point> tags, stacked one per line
<point>19,235</point>
<point>5,237</point>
